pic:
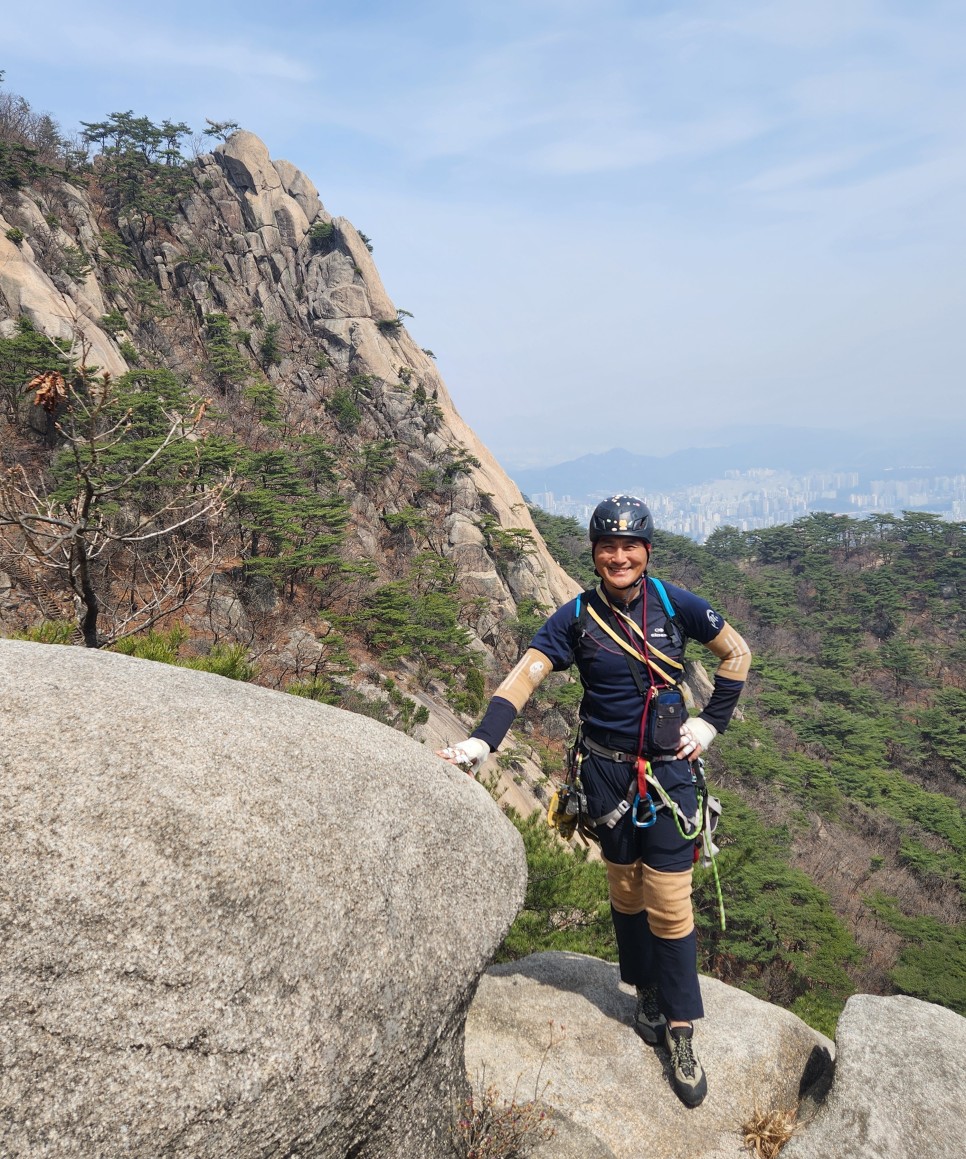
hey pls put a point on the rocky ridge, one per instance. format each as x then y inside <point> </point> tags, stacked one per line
<point>251,241</point>
<point>241,245</point>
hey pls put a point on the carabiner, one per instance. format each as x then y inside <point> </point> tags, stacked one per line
<point>650,812</point>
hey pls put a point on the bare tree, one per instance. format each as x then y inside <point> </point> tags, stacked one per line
<point>125,520</point>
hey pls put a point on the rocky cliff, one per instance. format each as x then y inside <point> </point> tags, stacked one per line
<point>247,242</point>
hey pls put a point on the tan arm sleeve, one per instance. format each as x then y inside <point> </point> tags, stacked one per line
<point>521,683</point>
<point>733,652</point>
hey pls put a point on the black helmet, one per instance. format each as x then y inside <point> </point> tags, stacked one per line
<point>622,515</point>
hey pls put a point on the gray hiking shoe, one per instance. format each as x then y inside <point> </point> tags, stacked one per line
<point>648,1019</point>
<point>688,1074</point>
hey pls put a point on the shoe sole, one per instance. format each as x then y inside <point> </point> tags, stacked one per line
<point>688,1097</point>
<point>650,1036</point>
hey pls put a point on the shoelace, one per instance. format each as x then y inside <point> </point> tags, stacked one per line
<point>647,1004</point>
<point>684,1056</point>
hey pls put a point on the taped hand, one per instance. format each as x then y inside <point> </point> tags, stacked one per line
<point>696,736</point>
<point>467,755</point>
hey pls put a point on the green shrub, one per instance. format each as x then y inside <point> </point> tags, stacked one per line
<point>77,265</point>
<point>269,347</point>
<point>932,963</point>
<point>264,400</point>
<point>341,405</point>
<point>318,688</point>
<point>566,906</point>
<point>225,360</point>
<point>162,647</point>
<point>320,236</point>
<point>229,660</point>
<point>113,322</point>
<point>49,632</point>
<point>116,251</point>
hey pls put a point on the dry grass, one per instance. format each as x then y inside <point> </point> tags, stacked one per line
<point>766,1132</point>
<point>494,1128</point>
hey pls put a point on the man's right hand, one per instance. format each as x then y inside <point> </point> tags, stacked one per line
<point>467,755</point>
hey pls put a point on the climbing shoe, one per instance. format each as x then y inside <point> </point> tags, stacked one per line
<point>687,1073</point>
<point>648,1019</point>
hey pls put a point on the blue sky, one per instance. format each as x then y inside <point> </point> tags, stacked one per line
<point>616,223</point>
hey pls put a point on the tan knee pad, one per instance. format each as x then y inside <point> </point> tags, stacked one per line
<point>625,884</point>
<point>668,902</point>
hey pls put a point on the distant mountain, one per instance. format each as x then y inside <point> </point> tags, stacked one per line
<point>781,448</point>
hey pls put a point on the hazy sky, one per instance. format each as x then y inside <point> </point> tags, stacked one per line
<point>616,223</point>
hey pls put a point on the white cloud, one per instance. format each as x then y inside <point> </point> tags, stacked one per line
<point>806,172</point>
<point>918,201</point>
<point>130,44</point>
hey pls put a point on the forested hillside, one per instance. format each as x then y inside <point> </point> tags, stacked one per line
<point>844,778</point>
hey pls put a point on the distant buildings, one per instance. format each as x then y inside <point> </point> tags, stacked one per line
<point>762,497</point>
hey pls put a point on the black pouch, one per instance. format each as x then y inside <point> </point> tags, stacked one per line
<point>665,717</point>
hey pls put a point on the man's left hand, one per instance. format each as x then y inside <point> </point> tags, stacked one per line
<point>467,755</point>
<point>696,736</point>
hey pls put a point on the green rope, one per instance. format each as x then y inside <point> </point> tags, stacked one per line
<point>676,812</point>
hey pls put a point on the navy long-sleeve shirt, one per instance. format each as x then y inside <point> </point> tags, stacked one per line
<point>612,700</point>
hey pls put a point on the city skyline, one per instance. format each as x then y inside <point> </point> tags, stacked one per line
<point>765,497</point>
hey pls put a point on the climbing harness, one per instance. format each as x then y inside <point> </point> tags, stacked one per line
<point>568,812</point>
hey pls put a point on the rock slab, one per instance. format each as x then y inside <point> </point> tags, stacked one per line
<point>557,1027</point>
<point>228,921</point>
<point>899,1087</point>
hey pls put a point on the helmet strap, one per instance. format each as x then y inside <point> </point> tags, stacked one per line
<point>628,595</point>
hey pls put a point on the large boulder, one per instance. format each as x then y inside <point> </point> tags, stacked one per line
<point>555,1027</point>
<point>899,1088</point>
<point>233,922</point>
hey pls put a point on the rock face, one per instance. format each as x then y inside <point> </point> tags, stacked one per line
<point>228,920</point>
<point>900,1084</point>
<point>70,311</point>
<point>344,297</point>
<point>333,295</point>
<point>556,1026</point>
<point>241,243</point>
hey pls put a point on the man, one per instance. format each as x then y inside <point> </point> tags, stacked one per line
<point>637,752</point>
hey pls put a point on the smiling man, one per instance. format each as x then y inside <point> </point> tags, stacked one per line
<point>634,771</point>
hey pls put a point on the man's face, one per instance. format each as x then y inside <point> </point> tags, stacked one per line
<point>620,561</point>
